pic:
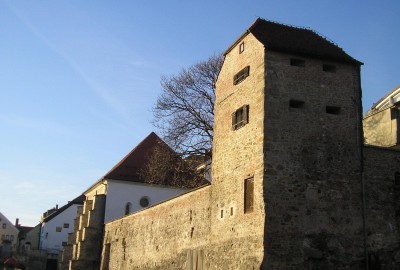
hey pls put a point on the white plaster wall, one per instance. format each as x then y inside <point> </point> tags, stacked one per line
<point>53,242</point>
<point>119,193</point>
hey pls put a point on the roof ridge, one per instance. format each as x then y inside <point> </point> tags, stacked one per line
<point>304,28</point>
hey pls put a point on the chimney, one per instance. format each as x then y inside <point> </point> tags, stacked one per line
<point>16,222</point>
<point>56,206</point>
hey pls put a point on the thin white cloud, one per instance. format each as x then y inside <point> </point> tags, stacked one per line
<point>36,124</point>
<point>114,55</point>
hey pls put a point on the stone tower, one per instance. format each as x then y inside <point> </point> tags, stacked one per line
<point>292,187</point>
<point>287,150</point>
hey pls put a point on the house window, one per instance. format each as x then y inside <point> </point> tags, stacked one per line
<point>58,229</point>
<point>240,117</point>
<point>4,225</point>
<point>249,195</point>
<point>66,225</point>
<point>241,47</point>
<point>47,234</point>
<point>144,201</point>
<point>297,62</point>
<point>128,208</point>
<point>64,244</point>
<point>241,75</point>
<point>329,68</point>
<point>332,109</point>
<point>11,237</point>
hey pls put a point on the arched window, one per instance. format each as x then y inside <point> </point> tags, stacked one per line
<point>128,207</point>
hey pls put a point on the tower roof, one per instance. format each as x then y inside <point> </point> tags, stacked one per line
<point>296,40</point>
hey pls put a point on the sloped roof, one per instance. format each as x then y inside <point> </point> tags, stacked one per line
<point>78,200</point>
<point>129,168</point>
<point>295,40</point>
<point>391,98</point>
<point>24,229</point>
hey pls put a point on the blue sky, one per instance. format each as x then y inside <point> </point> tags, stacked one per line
<point>78,79</point>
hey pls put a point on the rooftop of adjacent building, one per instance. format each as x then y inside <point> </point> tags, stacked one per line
<point>129,168</point>
<point>387,101</point>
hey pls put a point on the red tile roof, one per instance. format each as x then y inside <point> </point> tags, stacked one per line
<point>129,168</point>
<point>296,40</point>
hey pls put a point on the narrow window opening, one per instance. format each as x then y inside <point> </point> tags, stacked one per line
<point>397,179</point>
<point>332,109</point>
<point>222,213</point>
<point>297,104</point>
<point>241,47</point>
<point>297,62</point>
<point>240,117</point>
<point>329,68</point>
<point>248,195</point>
<point>241,75</point>
<point>231,211</point>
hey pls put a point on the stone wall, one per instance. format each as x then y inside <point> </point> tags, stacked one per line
<point>382,195</point>
<point>312,165</point>
<point>161,236</point>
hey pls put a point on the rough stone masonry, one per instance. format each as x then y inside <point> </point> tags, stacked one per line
<point>293,185</point>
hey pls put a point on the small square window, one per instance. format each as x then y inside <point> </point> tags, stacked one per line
<point>240,117</point>
<point>397,179</point>
<point>332,110</point>
<point>297,62</point>
<point>58,229</point>
<point>241,75</point>
<point>249,195</point>
<point>329,68</point>
<point>241,47</point>
<point>66,225</point>
<point>295,103</point>
<point>64,244</point>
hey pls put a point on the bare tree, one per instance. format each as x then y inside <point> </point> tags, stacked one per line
<point>166,167</point>
<point>184,112</point>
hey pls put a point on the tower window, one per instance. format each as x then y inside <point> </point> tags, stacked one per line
<point>249,195</point>
<point>297,104</point>
<point>297,62</point>
<point>332,109</point>
<point>241,47</point>
<point>241,75</point>
<point>329,68</point>
<point>240,117</point>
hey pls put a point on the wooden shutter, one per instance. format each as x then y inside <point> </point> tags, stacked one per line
<point>245,114</point>
<point>249,195</point>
